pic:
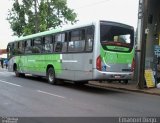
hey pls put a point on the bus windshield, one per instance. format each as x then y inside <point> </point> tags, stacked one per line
<point>116,38</point>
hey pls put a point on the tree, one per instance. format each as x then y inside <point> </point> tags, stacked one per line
<point>32,16</point>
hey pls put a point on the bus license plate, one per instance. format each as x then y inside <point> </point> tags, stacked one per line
<point>117,76</point>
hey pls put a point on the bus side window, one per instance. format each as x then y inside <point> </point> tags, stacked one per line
<point>21,47</point>
<point>64,42</point>
<point>58,43</point>
<point>89,38</point>
<point>76,41</point>
<point>73,36</point>
<point>28,48</point>
<point>48,44</point>
<point>9,52</point>
<point>37,45</point>
<point>12,49</point>
<point>15,48</point>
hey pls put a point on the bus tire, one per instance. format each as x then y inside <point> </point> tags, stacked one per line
<point>51,76</point>
<point>16,71</point>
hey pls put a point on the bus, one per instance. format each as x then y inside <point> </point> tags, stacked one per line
<point>99,51</point>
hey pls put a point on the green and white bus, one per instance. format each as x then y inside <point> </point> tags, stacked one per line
<point>100,50</point>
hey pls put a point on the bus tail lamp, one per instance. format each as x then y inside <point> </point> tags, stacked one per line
<point>133,65</point>
<point>98,63</point>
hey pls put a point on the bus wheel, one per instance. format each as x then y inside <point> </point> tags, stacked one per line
<point>51,76</point>
<point>125,82</point>
<point>16,71</point>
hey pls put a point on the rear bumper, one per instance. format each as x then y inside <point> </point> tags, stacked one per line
<point>100,75</point>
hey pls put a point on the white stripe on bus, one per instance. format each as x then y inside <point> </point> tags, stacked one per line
<point>70,61</point>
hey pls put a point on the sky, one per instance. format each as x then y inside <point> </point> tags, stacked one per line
<point>124,11</point>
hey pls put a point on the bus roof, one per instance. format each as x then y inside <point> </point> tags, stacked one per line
<point>65,28</point>
<point>52,31</point>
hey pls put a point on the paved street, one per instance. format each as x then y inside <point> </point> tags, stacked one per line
<point>32,96</point>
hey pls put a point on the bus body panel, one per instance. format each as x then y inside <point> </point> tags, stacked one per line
<point>73,67</point>
<point>82,66</point>
<point>99,75</point>
<point>66,63</point>
<point>10,64</point>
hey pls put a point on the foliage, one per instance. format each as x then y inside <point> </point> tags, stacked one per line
<point>32,16</point>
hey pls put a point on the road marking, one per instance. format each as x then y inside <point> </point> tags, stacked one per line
<point>10,83</point>
<point>50,94</point>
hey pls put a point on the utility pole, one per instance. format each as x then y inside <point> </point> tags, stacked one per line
<point>141,77</point>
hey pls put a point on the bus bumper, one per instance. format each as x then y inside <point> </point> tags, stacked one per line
<point>100,75</point>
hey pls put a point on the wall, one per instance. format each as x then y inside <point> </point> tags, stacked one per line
<point>153,25</point>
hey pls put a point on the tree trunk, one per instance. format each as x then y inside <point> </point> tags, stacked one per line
<point>36,16</point>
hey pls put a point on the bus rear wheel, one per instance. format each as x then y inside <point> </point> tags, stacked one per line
<point>51,76</point>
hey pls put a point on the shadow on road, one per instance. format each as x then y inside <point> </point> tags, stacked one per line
<point>91,89</point>
<point>70,85</point>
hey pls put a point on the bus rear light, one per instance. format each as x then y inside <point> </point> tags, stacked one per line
<point>98,63</point>
<point>133,65</point>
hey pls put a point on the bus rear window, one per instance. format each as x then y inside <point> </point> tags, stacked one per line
<point>116,38</point>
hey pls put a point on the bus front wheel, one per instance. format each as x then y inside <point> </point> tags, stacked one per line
<point>16,71</point>
<point>51,76</point>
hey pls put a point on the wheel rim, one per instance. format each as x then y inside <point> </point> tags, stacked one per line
<point>51,77</point>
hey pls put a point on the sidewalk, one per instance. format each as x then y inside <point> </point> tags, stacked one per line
<point>131,86</point>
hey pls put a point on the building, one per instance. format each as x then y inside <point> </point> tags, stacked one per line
<point>148,38</point>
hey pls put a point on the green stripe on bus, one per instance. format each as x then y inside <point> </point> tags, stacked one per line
<point>39,63</point>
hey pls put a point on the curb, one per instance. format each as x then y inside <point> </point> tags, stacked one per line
<point>125,89</point>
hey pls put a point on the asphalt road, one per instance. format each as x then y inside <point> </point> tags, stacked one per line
<point>34,97</point>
